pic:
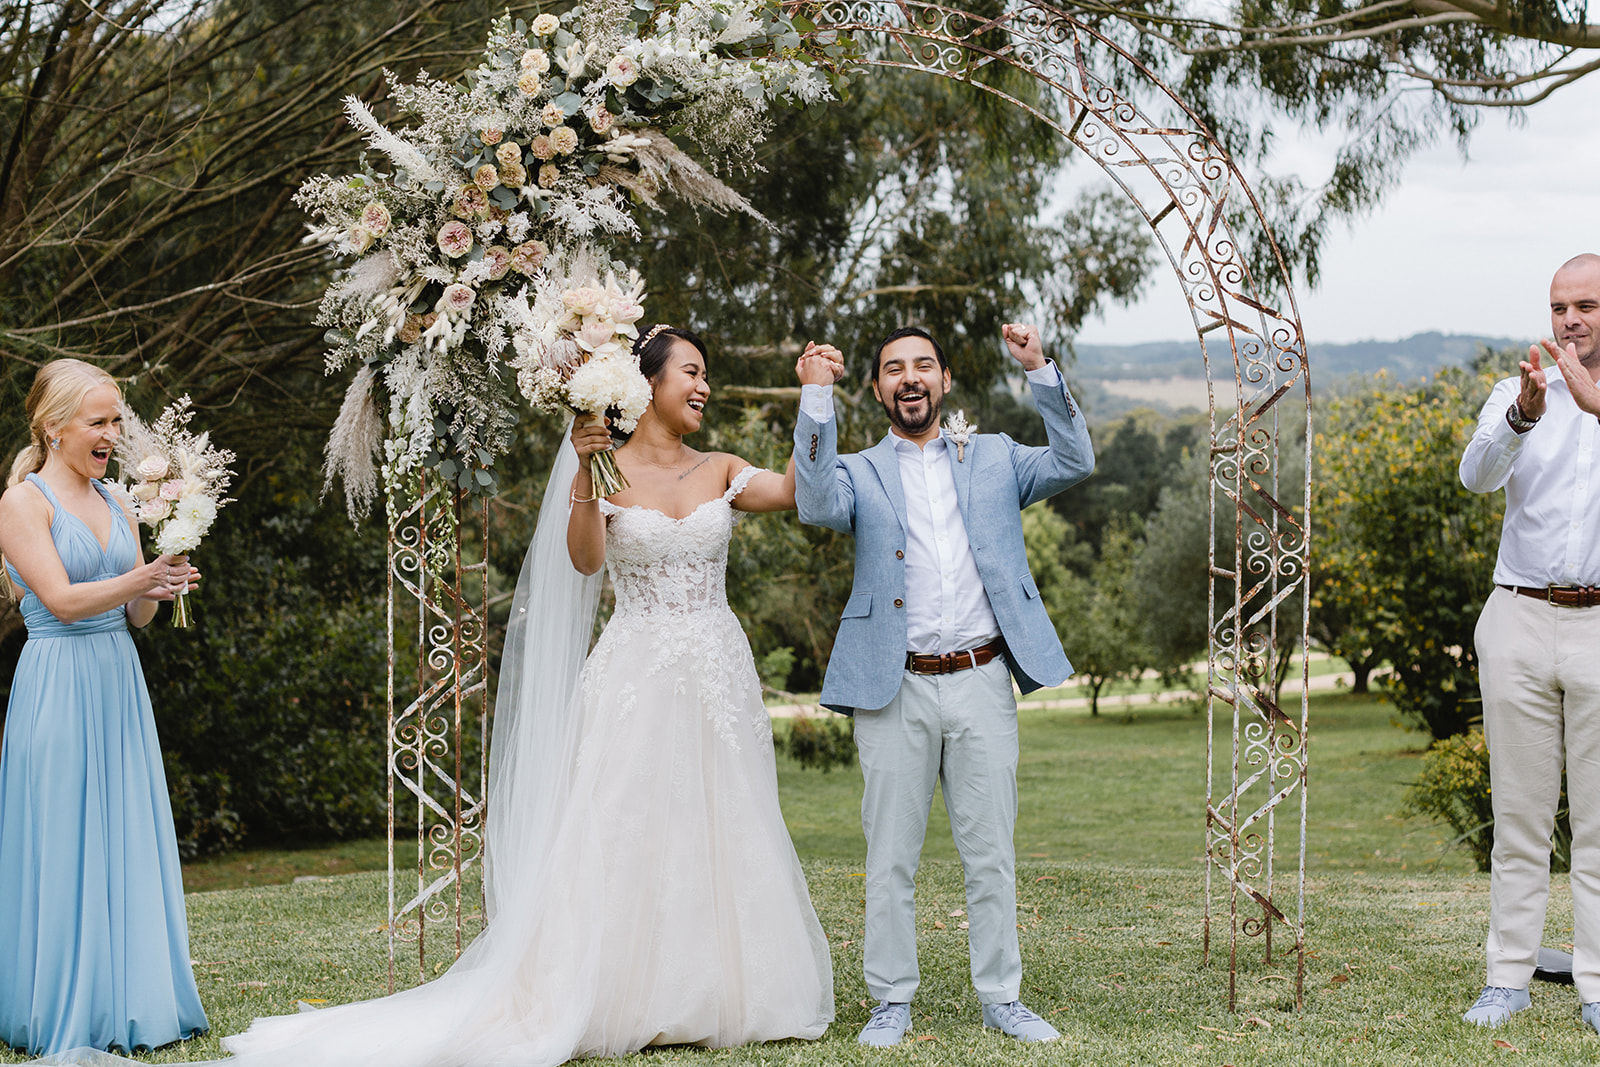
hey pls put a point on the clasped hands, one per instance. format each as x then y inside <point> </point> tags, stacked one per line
<point>819,365</point>
<point>1531,399</point>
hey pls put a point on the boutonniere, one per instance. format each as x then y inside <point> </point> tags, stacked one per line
<point>959,432</point>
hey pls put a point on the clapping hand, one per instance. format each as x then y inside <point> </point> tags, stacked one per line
<point>1530,401</point>
<point>819,365</point>
<point>1579,381</point>
<point>1023,342</point>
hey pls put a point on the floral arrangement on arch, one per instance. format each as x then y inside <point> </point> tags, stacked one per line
<point>503,185</point>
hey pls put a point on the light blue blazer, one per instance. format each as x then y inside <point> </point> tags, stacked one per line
<point>861,494</point>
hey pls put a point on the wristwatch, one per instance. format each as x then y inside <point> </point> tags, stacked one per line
<point>1515,419</point>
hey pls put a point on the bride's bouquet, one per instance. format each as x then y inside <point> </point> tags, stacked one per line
<point>574,343</point>
<point>178,479</point>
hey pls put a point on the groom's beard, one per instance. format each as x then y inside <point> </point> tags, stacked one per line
<point>920,417</point>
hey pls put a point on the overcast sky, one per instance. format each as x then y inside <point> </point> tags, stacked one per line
<point>1462,246</point>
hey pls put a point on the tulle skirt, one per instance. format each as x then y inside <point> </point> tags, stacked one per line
<point>671,908</point>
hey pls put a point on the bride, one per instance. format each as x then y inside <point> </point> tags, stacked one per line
<point>642,888</point>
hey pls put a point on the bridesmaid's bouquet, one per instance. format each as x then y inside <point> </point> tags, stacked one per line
<point>177,481</point>
<point>574,343</point>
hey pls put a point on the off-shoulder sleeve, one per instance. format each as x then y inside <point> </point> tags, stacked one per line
<point>607,508</point>
<point>740,482</point>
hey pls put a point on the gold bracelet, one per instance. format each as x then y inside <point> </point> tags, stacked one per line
<point>576,499</point>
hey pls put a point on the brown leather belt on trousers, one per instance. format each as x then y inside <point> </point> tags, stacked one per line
<point>950,662</point>
<point>1565,596</point>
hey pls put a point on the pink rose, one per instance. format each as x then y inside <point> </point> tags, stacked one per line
<point>508,154</point>
<point>499,260</point>
<point>486,177</point>
<point>584,300</point>
<point>540,147</point>
<point>172,490</point>
<point>553,114</point>
<point>600,121</point>
<point>626,312</point>
<point>153,468</point>
<point>360,238</point>
<point>622,71</point>
<point>528,256</point>
<point>457,298</point>
<point>375,219</point>
<point>549,174</point>
<point>513,175</point>
<point>491,136</point>
<point>145,491</point>
<point>154,510</point>
<point>471,203</point>
<point>594,333</point>
<point>455,240</point>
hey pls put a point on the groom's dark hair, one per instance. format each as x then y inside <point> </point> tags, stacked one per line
<point>908,331</point>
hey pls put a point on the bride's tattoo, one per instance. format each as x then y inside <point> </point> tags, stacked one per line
<point>694,468</point>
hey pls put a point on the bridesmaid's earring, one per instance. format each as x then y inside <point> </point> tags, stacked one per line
<point>55,443</point>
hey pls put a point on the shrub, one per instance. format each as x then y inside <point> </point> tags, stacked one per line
<point>822,743</point>
<point>1454,788</point>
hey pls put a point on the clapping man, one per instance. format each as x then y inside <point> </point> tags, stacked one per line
<point>1538,643</point>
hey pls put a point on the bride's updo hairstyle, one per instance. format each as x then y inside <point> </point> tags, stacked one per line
<point>57,394</point>
<point>652,349</point>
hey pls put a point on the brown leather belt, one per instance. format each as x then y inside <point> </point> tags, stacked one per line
<point>1565,596</point>
<point>950,662</point>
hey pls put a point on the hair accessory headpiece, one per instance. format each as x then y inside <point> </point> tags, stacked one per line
<point>651,336</point>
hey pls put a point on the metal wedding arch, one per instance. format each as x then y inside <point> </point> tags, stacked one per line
<point>1259,397</point>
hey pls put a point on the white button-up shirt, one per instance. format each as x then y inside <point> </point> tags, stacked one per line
<point>1551,531</point>
<point>947,608</point>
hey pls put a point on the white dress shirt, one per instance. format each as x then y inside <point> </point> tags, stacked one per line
<point>1551,531</point>
<point>947,608</point>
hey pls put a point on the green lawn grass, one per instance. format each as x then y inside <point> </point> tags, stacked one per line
<point>1110,904</point>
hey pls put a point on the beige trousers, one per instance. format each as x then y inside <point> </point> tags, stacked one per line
<point>1539,668</point>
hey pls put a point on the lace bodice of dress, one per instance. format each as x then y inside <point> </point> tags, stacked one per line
<point>664,568</point>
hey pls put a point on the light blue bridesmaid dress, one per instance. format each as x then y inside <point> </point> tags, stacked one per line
<point>94,945</point>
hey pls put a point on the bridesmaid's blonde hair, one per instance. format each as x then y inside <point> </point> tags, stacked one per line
<point>57,394</point>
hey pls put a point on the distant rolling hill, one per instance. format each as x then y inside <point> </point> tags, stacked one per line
<point>1169,375</point>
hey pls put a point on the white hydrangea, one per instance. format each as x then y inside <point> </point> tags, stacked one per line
<point>610,382</point>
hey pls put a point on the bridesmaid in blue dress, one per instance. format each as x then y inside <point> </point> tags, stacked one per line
<point>94,945</point>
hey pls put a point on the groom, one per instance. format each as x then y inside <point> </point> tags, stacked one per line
<point>943,607</point>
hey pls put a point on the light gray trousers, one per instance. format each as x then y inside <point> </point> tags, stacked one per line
<point>960,730</point>
<point>1539,669</point>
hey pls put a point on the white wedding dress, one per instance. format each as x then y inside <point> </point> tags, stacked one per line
<point>663,902</point>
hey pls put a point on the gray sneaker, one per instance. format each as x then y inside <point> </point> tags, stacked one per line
<point>1015,1019</point>
<point>1591,1015</point>
<point>1496,1004</point>
<point>887,1026</point>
